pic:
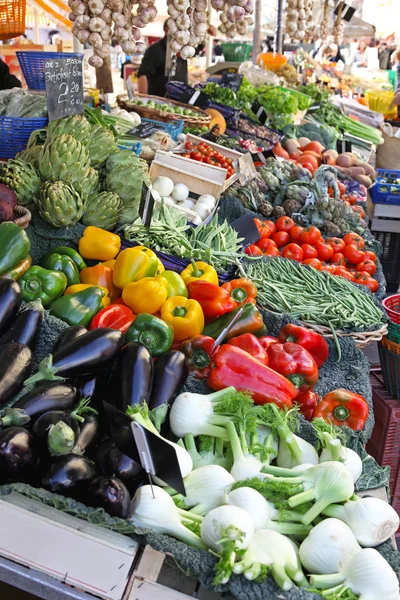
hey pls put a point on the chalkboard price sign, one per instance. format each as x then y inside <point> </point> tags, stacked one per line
<point>64,86</point>
<point>145,130</point>
<point>232,81</point>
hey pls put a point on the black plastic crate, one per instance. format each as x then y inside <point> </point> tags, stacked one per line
<point>390,257</point>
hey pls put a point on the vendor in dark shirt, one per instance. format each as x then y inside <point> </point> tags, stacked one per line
<point>151,75</point>
<point>7,81</point>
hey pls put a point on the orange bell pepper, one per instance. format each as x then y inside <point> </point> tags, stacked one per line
<point>103,276</point>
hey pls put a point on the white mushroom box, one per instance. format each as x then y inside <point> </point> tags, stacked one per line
<point>192,187</point>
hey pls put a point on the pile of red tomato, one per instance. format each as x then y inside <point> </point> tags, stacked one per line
<point>343,257</point>
<point>205,154</point>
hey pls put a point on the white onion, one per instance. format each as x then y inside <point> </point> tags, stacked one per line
<point>95,40</point>
<point>207,199</point>
<point>180,192</point>
<point>95,61</point>
<point>163,185</point>
<point>202,210</point>
<point>188,203</point>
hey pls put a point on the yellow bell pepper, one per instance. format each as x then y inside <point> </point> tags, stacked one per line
<point>133,264</point>
<point>146,295</point>
<point>160,268</point>
<point>72,289</point>
<point>99,244</point>
<point>103,277</point>
<point>109,263</point>
<point>185,316</point>
<point>199,271</point>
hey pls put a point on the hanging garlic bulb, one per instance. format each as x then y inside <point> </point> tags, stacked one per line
<point>96,61</point>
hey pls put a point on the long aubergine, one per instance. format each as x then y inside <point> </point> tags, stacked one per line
<point>68,335</point>
<point>111,494</point>
<point>15,366</point>
<point>10,302</point>
<point>85,355</point>
<point>170,373</point>
<point>133,376</point>
<point>18,455</point>
<point>26,326</point>
<point>89,433</point>
<point>69,474</point>
<point>44,397</point>
<point>110,461</point>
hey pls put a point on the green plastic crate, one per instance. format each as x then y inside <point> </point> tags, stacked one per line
<point>236,51</point>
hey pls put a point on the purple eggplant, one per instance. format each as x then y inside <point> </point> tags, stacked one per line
<point>170,373</point>
<point>88,435</point>
<point>10,301</point>
<point>15,366</point>
<point>68,475</point>
<point>69,334</point>
<point>44,397</point>
<point>18,455</point>
<point>57,431</point>
<point>110,461</point>
<point>26,326</point>
<point>85,355</point>
<point>40,428</point>
<point>109,493</point>
<point>133,376</point>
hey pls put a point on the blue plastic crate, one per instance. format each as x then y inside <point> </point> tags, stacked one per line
<point>173,129</point>
<point>135,147</point>
<point>386,190</point>
<point>15,132</point>
<point>32,65</point>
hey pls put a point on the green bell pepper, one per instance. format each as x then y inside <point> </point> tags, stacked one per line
<point>79,308</point>
<point>63,264</point>
<point>38,283</point>
<point>250,321</point>
<point>66,251</point>
<point>176,285</point>
<point>153,333</point>
<point>14,245</point>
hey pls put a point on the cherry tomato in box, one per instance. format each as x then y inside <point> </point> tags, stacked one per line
<point>295,233</point>
<point>293,251</point>
<point>337,244</point>
<point>281,238</point>
<point>354,239</point>
<point>324,250</point>
<point>284,224</point>
<point>367,265</point>
<point>310,235</point>
<point>353,254</point>
<point>309,251</point>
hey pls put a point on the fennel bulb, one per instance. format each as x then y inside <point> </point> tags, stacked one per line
<point>245,465</point>
<point>226,530</point>
<point>160,514</point>
<point>205,488</point>
<point>271,551</point>
<point>140,414</point>
<point>212,451</point>
<point>371,520</point>
<point>329,547</point>
<point>333,449</point>
<point>263,513</point>
<point>366,574</point>
<point>194,413</point>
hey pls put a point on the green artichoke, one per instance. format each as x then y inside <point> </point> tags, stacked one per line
<point>76,125</point>
<point>63,158</point>
<point>121,157</point>
<point>127,183</point>
<point>37,138</point>
<point>21,177</point>
<point>30,155</point>
<point>100,145</point>
<point>59,204</point>
<point>89,183</point>
<point>103,210</point>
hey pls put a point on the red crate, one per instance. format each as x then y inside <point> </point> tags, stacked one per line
<point>384,444</point>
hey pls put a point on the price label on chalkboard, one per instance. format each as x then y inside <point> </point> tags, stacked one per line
<point>259,111</point>
<point>146,205</point>
<point>232,81</point>
<point>196,98</point>
<point>145,130</point>
<point>64,86</point>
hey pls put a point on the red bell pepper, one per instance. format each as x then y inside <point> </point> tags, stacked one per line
<point>250,344</point>
<point>214,300</point>
<point>295,363</point>
<point>114,316</point>
<point>234,366</point>
<point>310,340</point>
<point>267,340</point>
<point>198,352</point>
<point>341,407</point>
<point>307,402</point>
<point>241,291</point>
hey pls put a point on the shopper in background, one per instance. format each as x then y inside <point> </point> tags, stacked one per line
<point>7,81</point>
<point>383,55</point>
<point>360,58</point>
<point>395,58</point>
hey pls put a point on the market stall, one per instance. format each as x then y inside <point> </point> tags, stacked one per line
<point>188,286</point>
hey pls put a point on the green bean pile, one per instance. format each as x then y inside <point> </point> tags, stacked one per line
<point>310,295</point>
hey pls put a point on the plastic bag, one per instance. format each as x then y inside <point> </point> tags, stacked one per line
<point>6,97</point>
<point>27,106</point>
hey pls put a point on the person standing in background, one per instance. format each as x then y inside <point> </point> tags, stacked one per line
<point>7,81</point>
<point>383,56</point>
<point>360,58</point>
